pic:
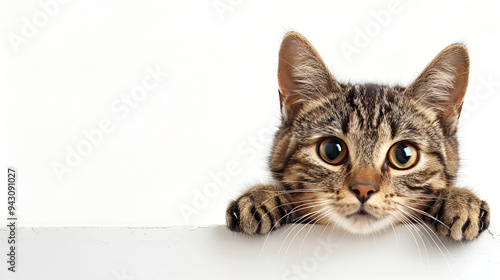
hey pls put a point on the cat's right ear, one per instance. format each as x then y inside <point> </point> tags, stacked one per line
<point>302,75</point>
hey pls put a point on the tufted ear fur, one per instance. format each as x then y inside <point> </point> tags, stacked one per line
<point>443,83</point>
<point>302,75</point>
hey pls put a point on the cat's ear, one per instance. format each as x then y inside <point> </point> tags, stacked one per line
<point>302,75</point>
<point>443,83</point>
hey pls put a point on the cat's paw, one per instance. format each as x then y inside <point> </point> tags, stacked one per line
<point>260,210</point>
<point>459,214</point>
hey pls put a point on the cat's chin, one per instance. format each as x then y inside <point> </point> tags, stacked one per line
<point>361,223</point>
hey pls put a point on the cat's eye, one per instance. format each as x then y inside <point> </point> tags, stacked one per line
<point>403,155</point>
<point>332,150</point>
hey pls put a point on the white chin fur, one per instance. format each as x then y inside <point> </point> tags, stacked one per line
<point>360,225</point>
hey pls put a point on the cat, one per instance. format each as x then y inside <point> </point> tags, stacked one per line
<point>364,156</point>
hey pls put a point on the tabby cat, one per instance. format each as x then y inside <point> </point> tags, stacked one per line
<point>364,157</point>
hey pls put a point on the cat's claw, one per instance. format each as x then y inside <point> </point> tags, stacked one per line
<point>459,214</point>
<point>259,211</point>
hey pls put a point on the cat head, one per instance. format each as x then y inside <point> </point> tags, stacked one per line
<point>361,155</point>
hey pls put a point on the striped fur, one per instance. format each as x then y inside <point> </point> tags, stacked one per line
<point>369,118</point>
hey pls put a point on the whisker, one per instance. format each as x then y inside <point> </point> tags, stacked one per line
<point>304,182</point>
<point>395,233</point>
<point>278,193</point>
<point>421,204</point>
<point>318,216</point>
<point>423,213</point>
<point>445,198</point>
<point>300,208</point>
<point>302,203</point>
<point>303,218</point>
<point>421,222</point>
<point>424,225</point>
<point>418,231</point>
<point>328,212</point>
<point>404,221</point>
<point>290,232</point>
<point>294,210</point>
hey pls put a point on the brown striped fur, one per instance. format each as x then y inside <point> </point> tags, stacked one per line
<point>370,119</point>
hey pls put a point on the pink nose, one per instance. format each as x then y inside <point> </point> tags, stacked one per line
<point>363,191</point>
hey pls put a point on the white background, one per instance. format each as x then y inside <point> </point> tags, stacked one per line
<point>218,104</point>
<point>206,129</point>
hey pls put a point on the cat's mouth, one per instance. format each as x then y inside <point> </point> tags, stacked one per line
<point>361,213</point>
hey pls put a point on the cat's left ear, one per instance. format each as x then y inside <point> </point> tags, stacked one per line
<point>443,83</point>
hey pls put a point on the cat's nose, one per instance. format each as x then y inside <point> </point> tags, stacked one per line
<point>363,191</point>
